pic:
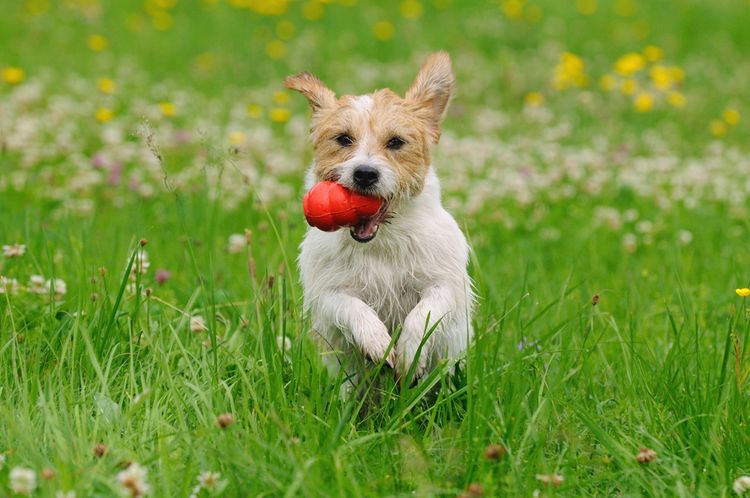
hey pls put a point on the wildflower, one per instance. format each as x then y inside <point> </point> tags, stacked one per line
<point>569,72</point>
<point>225,420</point>
<point>209,480</point>
<point>14,250</point>
<point>534,99</point>
<point>685,237</point>
<point>36,285</point>
<point>645,455</point>
<point>512,9</point>
<point>104,114</point>
<point>22,480</point>
<point>717,128</point>
<point>281,97</point>
<point>100,449</point>
<point>140,264</point>
<point>237,243</point>
<point>630,241</point>
<point>106,85</point>
<point>550,479</point>
<point>643,102</point>
<point>254,111</point>
<point>661,77</point>
<point>284,343</point>
<point>629,64</point>
<point>279,115</point>
<point>97,43</point>
<point>167,109</point>
<point>237,138</point>
<point>629,86</point>
<point>411,9</point>
<point>652,53</point>
<point>133,480</point>
<point>58,286</point>
<point>678,74</point>
<point>13,75</point>
<point>741,484</point>
<point>676,99</point>
<point>276,49</point>
<point>731,116</point>
<point>744,292</point>
<point>197,324</point>
<point>494,451</point>
<point>162,276</point>
<point>383,30</point>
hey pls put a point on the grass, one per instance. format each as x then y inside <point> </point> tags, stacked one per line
<point>581,196</point>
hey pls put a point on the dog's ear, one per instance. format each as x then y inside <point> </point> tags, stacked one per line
<point>317,93</point>
<point>433,89</point>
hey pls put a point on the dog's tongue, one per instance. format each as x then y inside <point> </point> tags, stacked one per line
<point>366,228</point>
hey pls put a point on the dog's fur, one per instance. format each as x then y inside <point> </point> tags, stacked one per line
<point>412,275</point>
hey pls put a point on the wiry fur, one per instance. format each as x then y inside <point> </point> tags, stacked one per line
<point>412,276</point>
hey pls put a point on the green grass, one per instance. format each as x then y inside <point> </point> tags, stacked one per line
<point>566,386</point>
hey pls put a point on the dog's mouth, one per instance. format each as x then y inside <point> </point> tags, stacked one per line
<point>367,228</point>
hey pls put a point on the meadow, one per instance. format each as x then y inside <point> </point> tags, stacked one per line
<point>152,341</point>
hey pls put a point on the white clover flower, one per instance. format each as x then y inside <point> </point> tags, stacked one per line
<point>197,324</point>
<point>22,480</point>
<point>133,480</point>
<point>209,480</point>
<point>284,343</point>
<point>237,243</point>
<point>10,286</point>
<point>741,484</point>
<point>685,237</point>
<point>37,285</point>
<point>59,286</point>
<point>14,250</point>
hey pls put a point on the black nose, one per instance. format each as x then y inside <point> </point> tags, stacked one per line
<point>365,176</point>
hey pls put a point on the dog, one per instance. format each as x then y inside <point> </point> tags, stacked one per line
<point>405,268</point>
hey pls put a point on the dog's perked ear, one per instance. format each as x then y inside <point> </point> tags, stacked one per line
<point>317,93</point>
<point>433,89</point>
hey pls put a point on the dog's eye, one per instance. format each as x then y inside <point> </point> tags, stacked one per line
<point>395,143</point>
<point>344,140</point>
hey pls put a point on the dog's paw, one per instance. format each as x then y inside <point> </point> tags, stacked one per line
<point>374,342</point>
<point>406,355</point>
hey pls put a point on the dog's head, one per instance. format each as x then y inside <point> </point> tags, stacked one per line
<point>378,144</point>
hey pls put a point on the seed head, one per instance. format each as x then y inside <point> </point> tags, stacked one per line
<point>645,455</point>
<point>225,420</point>
<point>494,451</point>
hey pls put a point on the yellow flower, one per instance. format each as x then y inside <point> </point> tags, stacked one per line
<point>731,116</point>
<point>162,20</point>
<point>254,111</point>
<point>512,9</point>
<point>717,127</point>
<point>104,114</point>
<point>661,77</point>
<point>629,86</point>
<point>534,99</point>
<point>383,30</point>
<point>677,74</point>
<point>676,99</point>
<point>285,30</point>
<point>13,75</point>
<point>586,7</point>
<point>643,102</point>
<point>569,72</point>
<point>276,49</point>
<point>607,82</point>
<point>313,10</point>
<point>411,9</point>
<point>97,43</point>
<point>744,292</point>
<point>279,115</point>
<point>281,97</point>
<point>167,109</point>
<point>653,53</point>
<point>630,63</point>
<point>106,85</point>
<point>237,138</point>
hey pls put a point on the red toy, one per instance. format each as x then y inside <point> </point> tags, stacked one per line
<point>329,206</point>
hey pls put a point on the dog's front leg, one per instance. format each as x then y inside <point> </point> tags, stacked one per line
<point>429,316</point>
<point>359,323</point>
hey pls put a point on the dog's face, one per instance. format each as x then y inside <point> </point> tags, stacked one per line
<point>378,144</point>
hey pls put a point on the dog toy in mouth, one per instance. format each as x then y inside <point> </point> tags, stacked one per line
<point>329,206</point>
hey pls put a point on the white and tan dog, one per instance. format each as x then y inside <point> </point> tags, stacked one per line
<point>404,268</point>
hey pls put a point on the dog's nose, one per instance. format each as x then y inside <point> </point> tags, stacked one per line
<point>365,176</point>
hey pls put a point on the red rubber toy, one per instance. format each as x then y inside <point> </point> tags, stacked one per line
<point>329,206</point>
